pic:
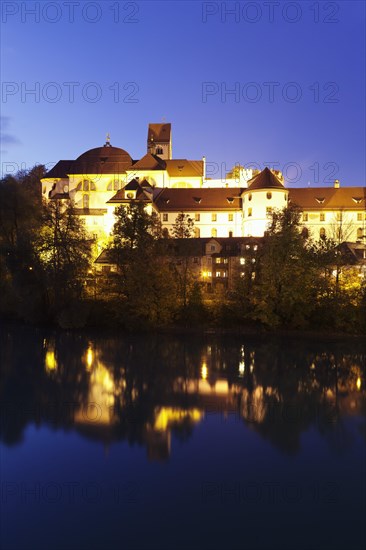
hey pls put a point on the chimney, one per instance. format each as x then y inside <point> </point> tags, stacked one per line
<point>204,169</point>
<point>336,184</point>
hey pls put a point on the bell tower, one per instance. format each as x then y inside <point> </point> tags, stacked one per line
<point>159,140</point>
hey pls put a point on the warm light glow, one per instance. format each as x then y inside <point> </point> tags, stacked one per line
<point>50,360</point>
<point>89,358</point>
<point>204,371</point>
<point>358,383</point>
<point>167,416</point>
<point>241,368</point>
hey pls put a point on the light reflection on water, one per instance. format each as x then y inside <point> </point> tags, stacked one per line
<point>224,415</point>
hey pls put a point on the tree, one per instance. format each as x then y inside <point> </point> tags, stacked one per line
<point>183,227</point>
<point>284,294</point>
<point>145,280</point>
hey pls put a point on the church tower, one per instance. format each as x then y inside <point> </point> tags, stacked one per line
<point>159,140</point>
<point>264,193</point>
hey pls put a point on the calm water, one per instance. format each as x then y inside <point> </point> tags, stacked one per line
<point>164,442</point>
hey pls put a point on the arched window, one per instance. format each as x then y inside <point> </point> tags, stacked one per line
<point>250,197</point>
<point>269,196</point>
<point>159,151</point>
<point>359,233</point>
<point>322,233</point>
<point>86,185</point>
<point>86,201</point>
<point>305,232</point>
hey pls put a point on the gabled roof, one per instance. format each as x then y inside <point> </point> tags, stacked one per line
<point>265,180</point>
<point>132,185</point>
<point>332,198</point>
<point>199,200</point>
<point>149,162</point>
<point>60,170</point>
<point>160,132</point>
<point>184,168</point>
<point>120,198</point>
<point>145,183</point>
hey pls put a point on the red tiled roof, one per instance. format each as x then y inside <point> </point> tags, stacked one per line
<point>265,180</point>
<point>149,162</point>
<point>323,198</point>
<point>184,168</point>
<point>191,200</point>
<point>60,170</point>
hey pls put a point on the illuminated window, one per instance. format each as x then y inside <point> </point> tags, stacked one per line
<point>213,232</point>
<point>269,196</point>
<point>214,217</point>
<point>305,217</point>
<point>218,274</point>
<point>359,216</point>
<point>359,233</point>
<point>339,216</point>
<point>249,212</point>
<point>85,201</point>
<point>165,217</point>
<point>242,261</point>
<point>322,216</point>
<point>224,274</point>
<point>225,260</point>
<point>209,273</point>
<point>197,217</point>
<point>255,247</point>
<point>197,232</point>
<point>230,217</point>
<point>218,260</point>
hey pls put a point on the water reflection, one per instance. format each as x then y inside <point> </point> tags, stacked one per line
<point>144,389</point>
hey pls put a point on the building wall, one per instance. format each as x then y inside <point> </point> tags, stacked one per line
<point>257,205</point>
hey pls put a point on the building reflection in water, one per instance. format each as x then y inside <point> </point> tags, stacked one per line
<point>143,390</point>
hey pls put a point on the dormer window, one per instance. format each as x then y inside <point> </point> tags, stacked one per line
<point>197,199</point>
<point>357,200</point>
<point>320,200</point>
<point>230,200</point>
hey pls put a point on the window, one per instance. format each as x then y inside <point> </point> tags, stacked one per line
<point>85,201</point>
<point>213,232</point>
<point>197,217</point>
<point>339,216</point>
<point>197,232</point>
<point>230,234</point>
<point>269,210</point>
<point>214,217</point>
<point>322,216</point>
<point>255,247</point>
<point>305,232</point>
<point>218,260</point>
<point>225,260</point>
<point>165,217</point>
<point>359,233</point>
<point>209,260</point>
<point>195,260</point>
<point>322,233</point>
<point>86,186</point>
<point>224,273</point>
<point>209,273</point>
<point>269,196</point>
<point>359,216</point>
<point>250,197</point>
<point>213,248</point>
<point>159,151</point>
<point>242,261</point>
<point>249,212</point>
<point>305,217</point>
<point>230,217</point>
<point>218,273</point>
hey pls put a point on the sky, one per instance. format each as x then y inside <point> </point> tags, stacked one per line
<point>271,83</point>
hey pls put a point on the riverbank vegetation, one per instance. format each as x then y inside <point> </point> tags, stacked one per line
<point>47,274</point>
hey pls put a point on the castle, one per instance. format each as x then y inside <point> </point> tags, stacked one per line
<point>103,178</point>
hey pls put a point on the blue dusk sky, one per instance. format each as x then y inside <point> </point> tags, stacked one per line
<point>257,83</point>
